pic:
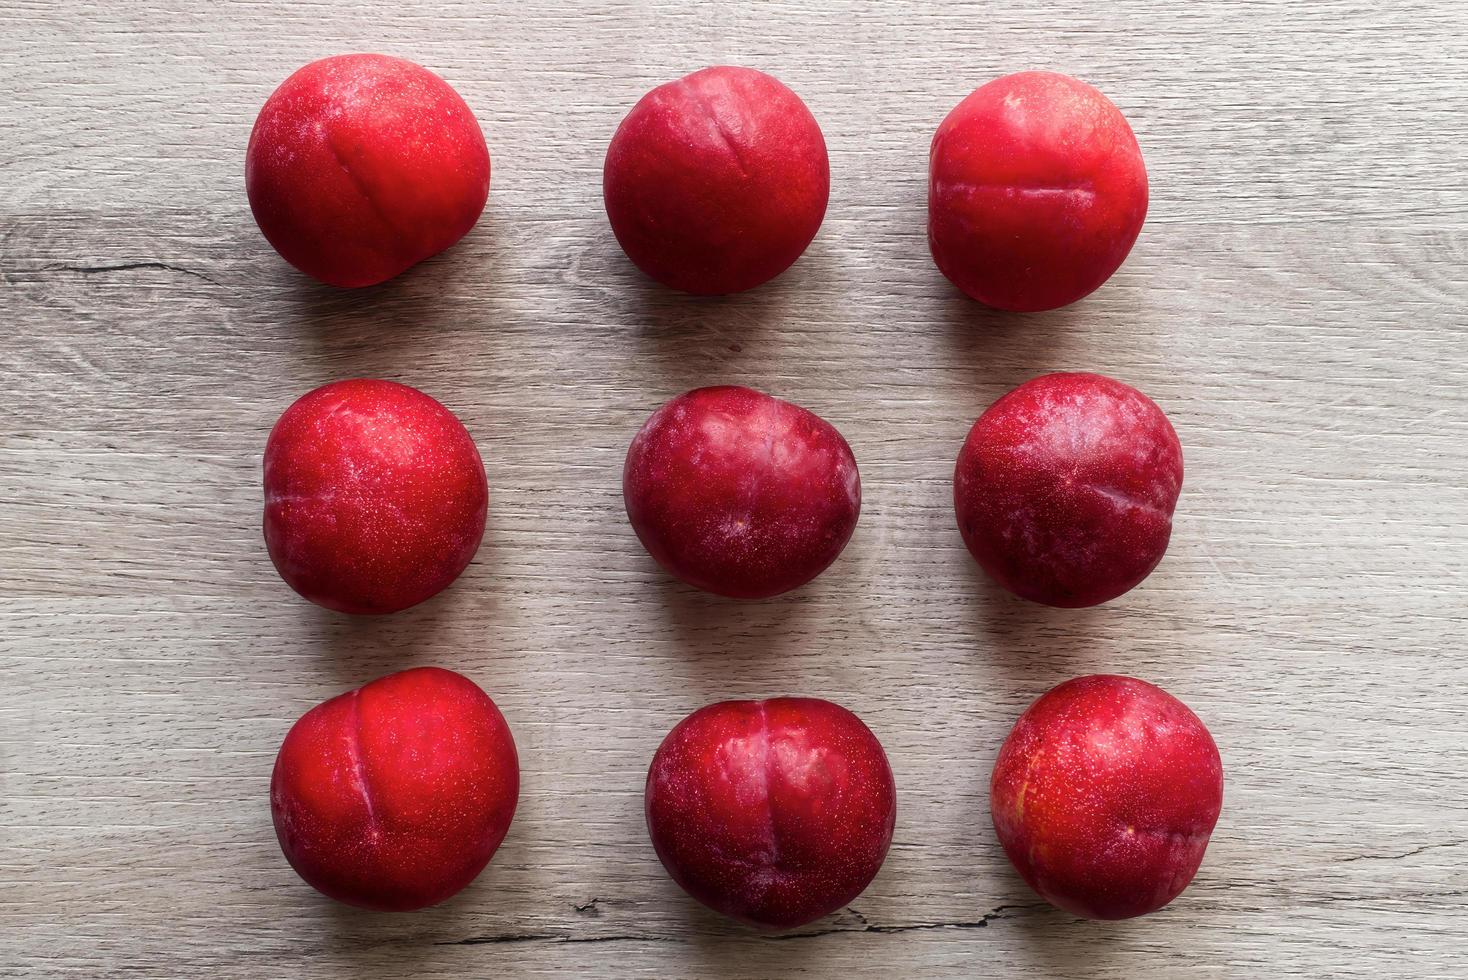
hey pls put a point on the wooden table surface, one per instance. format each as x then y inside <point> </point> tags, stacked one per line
<point>1295,303</point>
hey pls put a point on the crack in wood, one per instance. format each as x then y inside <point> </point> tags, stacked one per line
<point>550,937</point>
<point>88,270</point>
<point>982,922</point>
<point>1405,854</point>
<point>863,926</point>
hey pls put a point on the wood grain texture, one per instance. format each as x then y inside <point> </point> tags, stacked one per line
<point>1295,303</point>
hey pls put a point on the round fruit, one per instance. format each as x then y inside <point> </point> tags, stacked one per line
<point>1065,489</point>
<point>1036,192</point>
<point>718,181</point>
<point>362,165</point>
<point>773,812</point>
<point>375,496</point>
<point>1105,794</point>
<point>740,493</point>
<point>396,795</point>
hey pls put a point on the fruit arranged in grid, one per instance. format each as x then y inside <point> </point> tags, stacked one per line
<point>740,493</point>
<point>1065,488</point>
<point>773,812</point>
<point>1036,192</point>
<point>362,165</point>
<point>1105,794</point>
<point>375,496</point>
<point>396,795</point>
<point>716,182</point>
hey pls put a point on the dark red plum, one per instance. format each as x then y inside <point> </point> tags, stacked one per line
<point>1105,795</point>
<point>1065,489</point>
<point>740,493</point>
<point>1036,192</point>
<point>716,182</point>
<point>772,812</point>
<point>396,795</point>
<point>375,496</point>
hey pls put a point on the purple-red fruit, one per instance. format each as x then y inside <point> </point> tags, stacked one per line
<point>740,493</point>
<point>395,795</point>
<point>1065,489</point>
<point>1036,191</point>
<point>1105,794</point>
<point>716,182</point>
<point>773,812</point>
<point>375,496</point>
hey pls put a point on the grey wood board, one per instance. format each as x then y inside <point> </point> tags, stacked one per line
<point>1295,303</point>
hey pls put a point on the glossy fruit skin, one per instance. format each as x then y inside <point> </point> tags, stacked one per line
<point>1036,192</point>
<point>362,165</point>
<point>740,493</point>
<point>1065,489</point>
<point>717,182</point>
<point>1105,794</point>
<point>772,812</point>
<point>396,795</point>
<point>375,496</point>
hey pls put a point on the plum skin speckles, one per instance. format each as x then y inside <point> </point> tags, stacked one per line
<point>740,493</point>
<point>375,496</point>
<point>1036,192</point>
<point>362,165</point>
<point>1065,489</point>
<point>395,796</point>
<point>716,182</point>
<point>1105,794</point>
<point>772,812</point>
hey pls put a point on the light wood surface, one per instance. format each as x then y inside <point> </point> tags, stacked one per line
<point>1295,303</point>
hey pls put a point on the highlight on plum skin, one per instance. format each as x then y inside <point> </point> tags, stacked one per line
<point>775,812</point>
<point>363,165</point>
<point>716,182</point>
<point>375,496</point>
<point>1065,489</point>
<point>1105,795</point>
<point>1036,192</point>
<point>740,493</point>
<point>395,796</point>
